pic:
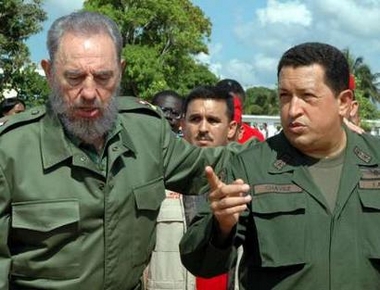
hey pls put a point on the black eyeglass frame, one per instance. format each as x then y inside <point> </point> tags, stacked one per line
<point>171,113</point>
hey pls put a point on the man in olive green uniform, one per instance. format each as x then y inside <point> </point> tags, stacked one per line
<point>311,216</point>
<point>82,180</point>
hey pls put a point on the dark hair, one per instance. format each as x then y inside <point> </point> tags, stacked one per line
<point>329,57</point>
<point>213,93</point>
<point>232,86</point>
<point>8,104</point>
<point>164,94</point>
<point>86,23</point>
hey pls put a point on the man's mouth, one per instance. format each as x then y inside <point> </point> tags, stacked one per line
<point>87,112</point>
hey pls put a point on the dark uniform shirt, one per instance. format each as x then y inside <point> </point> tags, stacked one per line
<point>291,239</point>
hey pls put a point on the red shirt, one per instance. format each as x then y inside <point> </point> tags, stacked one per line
<point>249,133</point>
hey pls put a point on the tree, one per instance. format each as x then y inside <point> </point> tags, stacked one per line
<point>368,83</point>
<point>261,101</point>
<point>367,110</point>
<point>19,20</point>
<point>32,87</point>
<point>160,39</point>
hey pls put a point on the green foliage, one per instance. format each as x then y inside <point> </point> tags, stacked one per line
<point>261,101</point>
<point>160,39</point>
<point>32,87</point>
<point>367,110</point>
<point>19,20</point>
<point>366,81</point>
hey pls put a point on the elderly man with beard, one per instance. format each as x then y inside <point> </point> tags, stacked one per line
<point>82,180</point>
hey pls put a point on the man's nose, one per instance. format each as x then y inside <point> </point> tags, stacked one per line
<point>295,106</point>
<point>89,88</point>
<point>203,126</point>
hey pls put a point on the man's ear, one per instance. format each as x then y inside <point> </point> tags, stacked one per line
<point>123,65</point>
<point>232,130</point>
<point>345,99</point>
<point>47,67</point>
<point>354,108</point>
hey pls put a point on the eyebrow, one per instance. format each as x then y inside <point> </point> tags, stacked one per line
<point>94,73</point>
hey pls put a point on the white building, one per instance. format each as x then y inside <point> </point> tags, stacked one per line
<point>274,123</point>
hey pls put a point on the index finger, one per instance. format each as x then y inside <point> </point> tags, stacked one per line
<point>212,178</point>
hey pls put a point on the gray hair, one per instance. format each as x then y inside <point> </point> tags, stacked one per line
<point>83,23</point>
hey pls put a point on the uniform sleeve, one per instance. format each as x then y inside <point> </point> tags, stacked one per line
<point>199,255</point>
<point>5,258</point>
<point>198,252</point>
<point>184,164</point>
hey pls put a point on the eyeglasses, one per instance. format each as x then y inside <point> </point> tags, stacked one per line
<point>169,112</point>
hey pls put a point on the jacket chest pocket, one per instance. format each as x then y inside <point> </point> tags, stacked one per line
<point>370,221</point>
<point>280,222</point>
<point>148,201</point>
<point>44,239</point>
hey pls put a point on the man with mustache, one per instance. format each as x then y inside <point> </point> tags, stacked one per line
<point>208,117</point>
<point>82,179</point>
<point>208,122</point>
<point>305,204</point>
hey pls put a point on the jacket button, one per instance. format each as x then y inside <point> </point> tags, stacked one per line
<point>83,159</point>
<point>101,186</point>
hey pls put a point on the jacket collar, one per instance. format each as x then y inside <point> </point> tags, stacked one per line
<point>289,158</point>
<point>56,147</point>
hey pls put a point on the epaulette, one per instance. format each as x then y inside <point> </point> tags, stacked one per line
<point>130,104</point>
<point>29,116</point>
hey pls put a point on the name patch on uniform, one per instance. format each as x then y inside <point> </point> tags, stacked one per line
<point>276,188</point>
<point>362,155</point>
<point>369,184</point>
<point>370,173</point>
<point>370,178</point>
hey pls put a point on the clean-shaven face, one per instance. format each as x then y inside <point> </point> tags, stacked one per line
<point>310,111</point>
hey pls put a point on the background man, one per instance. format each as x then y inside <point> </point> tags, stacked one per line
<point>314,191</point>
<point>81,212</point>
<point>170,103</point>
<point>209,121</point>
<point>165,270</point>
<point>245,132</point>
<point>11,106</point>
<point>208,117</point>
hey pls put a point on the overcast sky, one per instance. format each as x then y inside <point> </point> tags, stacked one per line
<point>249,36</point>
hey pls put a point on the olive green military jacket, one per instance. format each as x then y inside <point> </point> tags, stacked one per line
<point>290,237</point>
<point>69,223</point>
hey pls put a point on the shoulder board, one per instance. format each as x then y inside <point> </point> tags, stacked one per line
<point>21,119</point>
<point>130,104</point>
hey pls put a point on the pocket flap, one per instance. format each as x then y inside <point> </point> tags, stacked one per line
<point>370,199</point>
<point>150,196</point>
<point>278,203</point>
<point>44,216</point>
